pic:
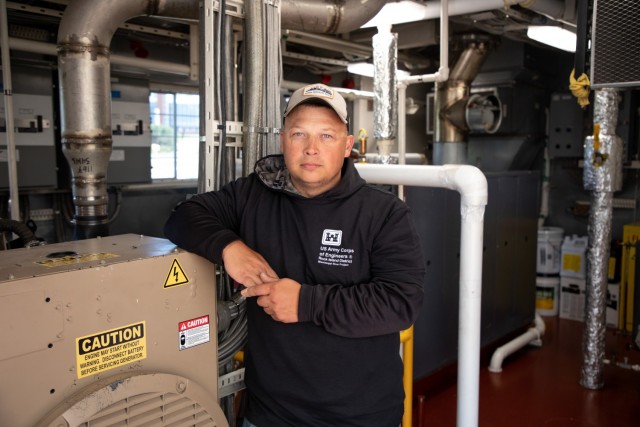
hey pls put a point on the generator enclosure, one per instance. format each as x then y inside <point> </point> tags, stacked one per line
<point>110,331</point>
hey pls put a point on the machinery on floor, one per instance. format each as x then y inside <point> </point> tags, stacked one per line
<point>109,331</point>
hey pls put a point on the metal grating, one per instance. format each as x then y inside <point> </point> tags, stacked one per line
<point>615,50</point>
<point>152,409</point>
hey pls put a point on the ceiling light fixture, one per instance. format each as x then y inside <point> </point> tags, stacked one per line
<point>553,36</point>
<point>398,13</point>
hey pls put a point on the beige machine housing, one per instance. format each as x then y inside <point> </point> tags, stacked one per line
<point>111,331</point>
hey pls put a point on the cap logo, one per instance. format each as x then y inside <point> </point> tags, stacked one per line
<point>321,91</point>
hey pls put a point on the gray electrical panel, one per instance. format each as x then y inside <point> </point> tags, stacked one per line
<point>34,141</point>
<point>566,126</point>
<point>508,266</point>
<point>131,155</point>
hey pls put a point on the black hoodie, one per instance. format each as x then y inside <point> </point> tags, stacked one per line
<point>356,253</point>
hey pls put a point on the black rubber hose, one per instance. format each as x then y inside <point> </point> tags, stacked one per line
<point>24,233</point>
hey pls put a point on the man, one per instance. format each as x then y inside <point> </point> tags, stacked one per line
<point>332,268</point>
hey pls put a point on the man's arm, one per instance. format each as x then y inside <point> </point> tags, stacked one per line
<point>206,224</point>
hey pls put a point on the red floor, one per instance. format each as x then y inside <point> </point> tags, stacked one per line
<point>539,387</point>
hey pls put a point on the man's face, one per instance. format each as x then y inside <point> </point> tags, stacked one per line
<point>314,143</point>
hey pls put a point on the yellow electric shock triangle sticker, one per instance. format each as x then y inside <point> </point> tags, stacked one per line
<point>176,276</point>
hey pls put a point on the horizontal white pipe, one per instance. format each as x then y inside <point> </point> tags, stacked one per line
<point>471,183</point>
<point>463,7</point>
<point>532,335</point>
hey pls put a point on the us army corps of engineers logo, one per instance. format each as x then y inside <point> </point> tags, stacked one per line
<point>331,250</point>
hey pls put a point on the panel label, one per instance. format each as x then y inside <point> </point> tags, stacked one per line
<point>110,349</point>
<point>193,332</point>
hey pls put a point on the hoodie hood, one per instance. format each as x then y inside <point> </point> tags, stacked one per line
<point>273,173</point>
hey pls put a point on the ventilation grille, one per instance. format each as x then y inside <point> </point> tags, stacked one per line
<point>615,51</point>
<point>152,409</point>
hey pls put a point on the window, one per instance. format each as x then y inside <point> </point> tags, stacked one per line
<point>175,130</point>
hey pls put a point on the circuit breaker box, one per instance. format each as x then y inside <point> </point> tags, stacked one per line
<point>130,160</point>
<point>34,140</point>
<point>111,331</point>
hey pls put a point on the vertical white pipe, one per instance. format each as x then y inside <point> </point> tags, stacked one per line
<point>12,160</point>
<point>469,314</point>
<point>471,183</point>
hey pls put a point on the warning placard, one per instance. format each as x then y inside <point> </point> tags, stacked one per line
<point>193,332</point>
<point>110,349</point>
<point>176,276</point>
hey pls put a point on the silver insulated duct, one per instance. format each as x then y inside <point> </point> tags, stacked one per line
<point>385,91</point>
<point>451,130</point>
<point>602,175</point>
<point>84,37</point>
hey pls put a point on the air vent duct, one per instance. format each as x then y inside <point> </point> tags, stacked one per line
<point>615,44</point>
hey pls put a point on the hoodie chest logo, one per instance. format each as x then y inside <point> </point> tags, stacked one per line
<point>332,237</point>
<point>331,251</point>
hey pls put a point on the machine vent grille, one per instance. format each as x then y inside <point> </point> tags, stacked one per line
<point>152,409</point>
<point>615,52</point>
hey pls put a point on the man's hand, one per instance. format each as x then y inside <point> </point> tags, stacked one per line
<point>245,265</point>
<point>278,297</point>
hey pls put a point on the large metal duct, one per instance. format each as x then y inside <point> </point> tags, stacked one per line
<point>328,16</point>
<point>84,37</point>
<point>451,130</point>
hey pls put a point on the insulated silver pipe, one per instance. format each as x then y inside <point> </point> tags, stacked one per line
<point>602,175</point>
<point>84,36</point>
<point>385,91</point>
<point>328,16</point>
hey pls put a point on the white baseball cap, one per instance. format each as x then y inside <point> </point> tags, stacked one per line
<point>318,93</point>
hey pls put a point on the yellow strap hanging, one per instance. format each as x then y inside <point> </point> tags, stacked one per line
<point>580,88</point>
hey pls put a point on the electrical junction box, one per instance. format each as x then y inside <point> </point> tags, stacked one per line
<point>130,160</point>
<point>111,331</point>
<point>34,140</point>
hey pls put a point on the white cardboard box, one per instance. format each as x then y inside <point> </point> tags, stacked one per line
<point>572,296</point>
<point>613,302</point>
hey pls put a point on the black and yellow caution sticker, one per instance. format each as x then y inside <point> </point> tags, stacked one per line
<point>110,349</point>
<point>176,276</point>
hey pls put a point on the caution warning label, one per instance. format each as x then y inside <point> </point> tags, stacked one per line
<point>110,349</point>
<point>176,276</point>
<point>193,332</point>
